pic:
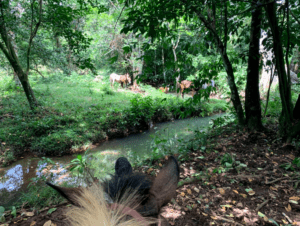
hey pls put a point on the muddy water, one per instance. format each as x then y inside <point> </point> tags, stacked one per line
<point>15,178</point>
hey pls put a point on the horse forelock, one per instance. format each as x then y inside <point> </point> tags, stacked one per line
<point>125,199</point>
<point>95,211</point>
<point>137,182</point>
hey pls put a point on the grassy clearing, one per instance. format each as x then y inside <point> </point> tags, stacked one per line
<point>76,111</point>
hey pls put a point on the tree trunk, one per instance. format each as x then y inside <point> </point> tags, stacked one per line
<point>27,88</point>
<point>228,67</point>
<point>163,62</point>
<point>296,112</point>
<point>252,101</point>
<point>285,119</point>
<point>23,77</point>
<point>177,69</point>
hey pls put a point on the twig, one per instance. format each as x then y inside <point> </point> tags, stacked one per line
<point>295,17</point>
<point>38,72</point>
<point>189,181</point>
<point>287,217</point>
<point>261,205</point>
<point>227,220</point>
<point>273,181</point>
<point>119,17</point>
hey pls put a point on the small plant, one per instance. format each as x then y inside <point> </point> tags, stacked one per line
<point>291,166</point>
<point>228,161</point>
<point>14,211</point>
<point>107,90</point>
<point>80,165</point>
<point>142,109</point>
<point>2,217</point>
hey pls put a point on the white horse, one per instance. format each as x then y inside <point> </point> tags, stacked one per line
<point>120,79</point>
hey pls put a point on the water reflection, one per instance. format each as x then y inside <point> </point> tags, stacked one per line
<point>12,179</point>
<point>16,177</point>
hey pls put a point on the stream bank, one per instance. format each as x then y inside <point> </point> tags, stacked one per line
<point>15,178</point>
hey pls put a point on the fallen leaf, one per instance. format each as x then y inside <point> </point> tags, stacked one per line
<point>149,170</point>
<point>48,223</point>
<point>296,198</point>
<point>222,191</point>
<point>251,192</point>
<point>288,208</point>
<point>29,214</point>
<point>244,195</point>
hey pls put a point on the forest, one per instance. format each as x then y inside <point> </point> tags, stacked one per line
<point>76,74</point>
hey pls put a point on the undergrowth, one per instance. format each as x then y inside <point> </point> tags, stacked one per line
<point>75,111</point>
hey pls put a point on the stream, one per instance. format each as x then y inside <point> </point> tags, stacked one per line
<point>15,178</point>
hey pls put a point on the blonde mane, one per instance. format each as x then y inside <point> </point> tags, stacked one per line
<point>128,198</point>
<point>94,210</point>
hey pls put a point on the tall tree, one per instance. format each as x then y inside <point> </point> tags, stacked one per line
<point>252,99</point>
<point>20,23</point>
<point>7,47</point>
<point>287,128</point>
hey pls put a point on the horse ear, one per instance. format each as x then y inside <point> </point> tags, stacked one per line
<point>163,188</point>
<point>165,184</point>
<point>70,194</point>
<point>123,167</point>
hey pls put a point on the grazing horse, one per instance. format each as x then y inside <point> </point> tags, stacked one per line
<point>164,89</point>
<point>185,84</point>
<point>129,198</point>
<point>120,79</point>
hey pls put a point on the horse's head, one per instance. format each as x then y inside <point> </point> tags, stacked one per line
<point>128,193</point>
<point>128,78</point>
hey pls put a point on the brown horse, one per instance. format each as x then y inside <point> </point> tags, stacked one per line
<point>164,89</point>
<point>129,198</point>
<point>120,79</point>
<point>185,84</point>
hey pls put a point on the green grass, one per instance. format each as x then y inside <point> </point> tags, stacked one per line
<point>274,105</point>
<point>75,111</point>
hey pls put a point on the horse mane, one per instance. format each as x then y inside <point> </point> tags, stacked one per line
<point>129,198</point>
<point>94,211</point>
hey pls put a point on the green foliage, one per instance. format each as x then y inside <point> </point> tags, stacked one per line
<point>2,217</point>
<point>7,85</point>
<point>181,144</point>
<point>291,166</point>
<point>274,105</point>
<point>14,212</point>
<point>228,161</point>
<point>141,110</point>
<point>80,165</point>
<point>8,157</point>
<point>108,91</point>
<point>221,121</point>
<point>75,111</point>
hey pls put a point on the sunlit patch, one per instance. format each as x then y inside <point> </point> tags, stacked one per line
<point>110,153</point>
<point>62,178</point>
